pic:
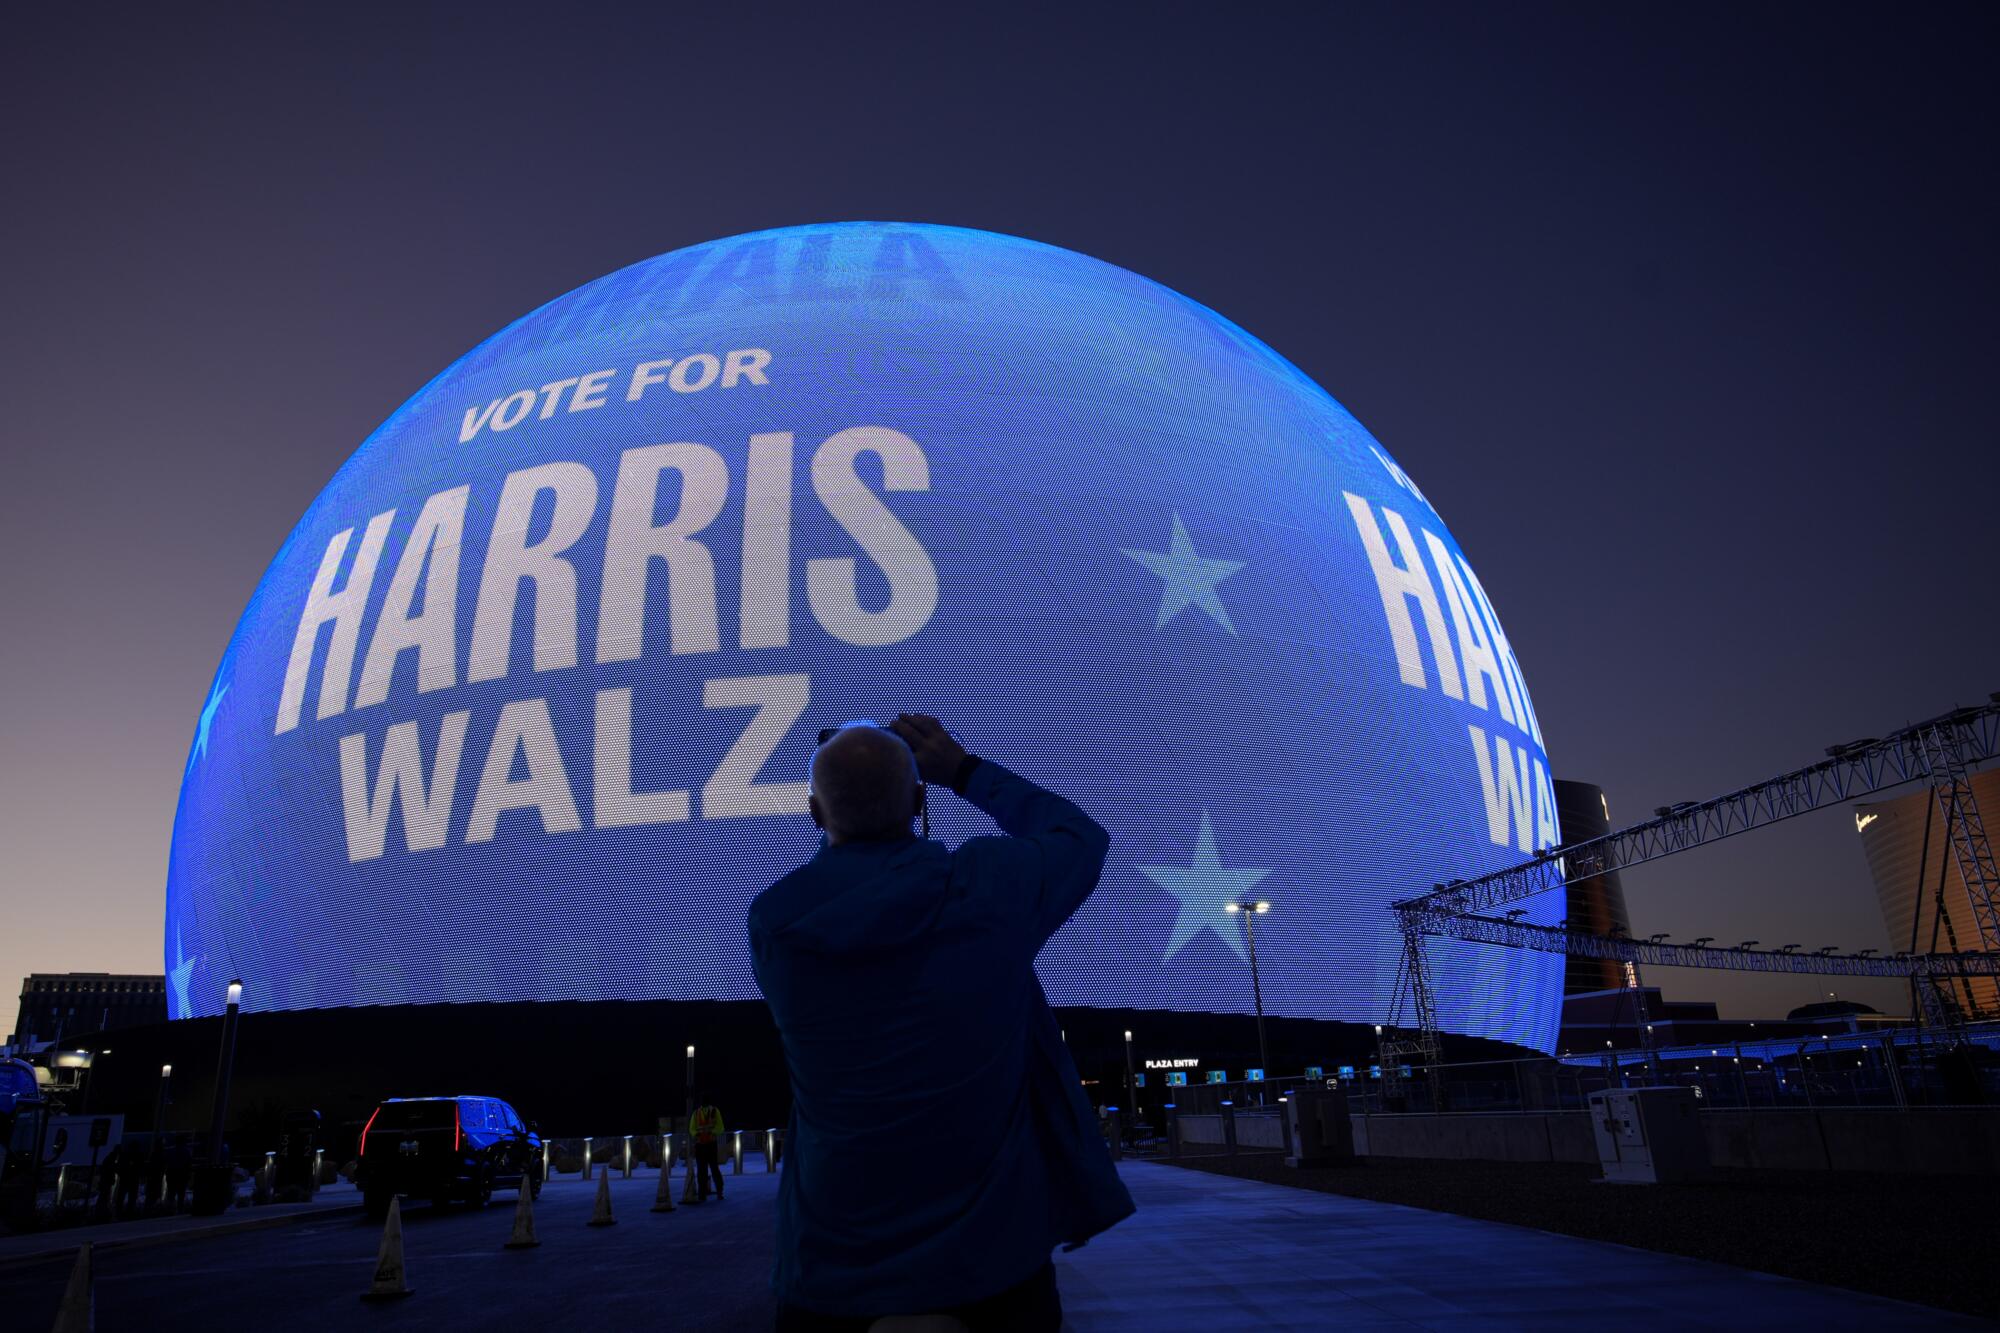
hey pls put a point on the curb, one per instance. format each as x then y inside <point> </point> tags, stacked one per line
<point>221,1228</point>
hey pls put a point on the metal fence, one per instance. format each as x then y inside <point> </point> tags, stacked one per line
<point>72,1195</point>
<point>624,1153</point>
<point>1231,1131</point>
<point>1893,1069</point>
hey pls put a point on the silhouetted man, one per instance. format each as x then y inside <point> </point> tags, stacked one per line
<point>940,1143</point>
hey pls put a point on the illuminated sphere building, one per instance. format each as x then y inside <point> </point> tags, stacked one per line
<point>522,709</point>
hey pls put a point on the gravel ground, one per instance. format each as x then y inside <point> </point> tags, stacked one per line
<point>1913,1238</point>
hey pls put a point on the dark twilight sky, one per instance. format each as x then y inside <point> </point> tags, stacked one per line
<point>1683,316</point>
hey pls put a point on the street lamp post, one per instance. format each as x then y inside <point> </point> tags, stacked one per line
<point>160,1102</point>
<point>1131,1083</point>
<point>224,1066</point>
<point>1251,911</point>
<point>690,1079</point>
<point>213,1188</point>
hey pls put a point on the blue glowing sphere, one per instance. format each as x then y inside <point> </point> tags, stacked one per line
<point>523,707</point>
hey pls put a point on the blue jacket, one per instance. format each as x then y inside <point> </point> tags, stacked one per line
<point>940,1142</point>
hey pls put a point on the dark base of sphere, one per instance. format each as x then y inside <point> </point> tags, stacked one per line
<point>615,1067</point>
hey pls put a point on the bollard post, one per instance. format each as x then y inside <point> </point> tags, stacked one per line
<point>548,1161</point>
<point>736,1166</point>
<point>1173,1131</point>
<point>62,1184</point>
<point>1229,1127</point>
<point>628,1157</point>
<point>319,1165</point>
<point>585,1177</point>
<point>770,1150</point>
<point>667,1151</point>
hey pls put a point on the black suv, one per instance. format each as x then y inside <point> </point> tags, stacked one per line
<point>446,1149</point>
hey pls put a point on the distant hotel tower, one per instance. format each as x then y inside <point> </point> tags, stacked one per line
<point>1913,866</point>
<point>1596,904</point>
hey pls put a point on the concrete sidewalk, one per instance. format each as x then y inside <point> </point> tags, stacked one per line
<point>34,1246</point>
<point>1209,1252</point>
<point>1205,1252</point>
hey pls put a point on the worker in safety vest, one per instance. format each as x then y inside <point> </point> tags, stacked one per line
<point>706,1126</point>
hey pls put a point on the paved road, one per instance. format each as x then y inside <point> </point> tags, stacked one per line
<point>1205,1252</point>
<point>694,1268</point>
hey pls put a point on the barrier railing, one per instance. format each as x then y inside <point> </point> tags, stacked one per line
<point>579,1156</point>
<point>67,1194</point>
<point>1230,1130</point>
<point>1893,1069</point>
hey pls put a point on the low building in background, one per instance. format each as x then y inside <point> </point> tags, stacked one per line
<point>58,1004</point>
<point>1638,1018</point>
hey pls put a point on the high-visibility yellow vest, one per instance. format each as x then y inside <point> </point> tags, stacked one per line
<point>706,1124</point>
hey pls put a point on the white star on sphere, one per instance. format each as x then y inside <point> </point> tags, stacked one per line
<point>1126,360</point>
<point>207,721</point>
<point>1206,888</point>
<point>181,972</point>
<point>1188,579</point>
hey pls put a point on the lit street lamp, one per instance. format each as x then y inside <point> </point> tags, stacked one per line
<point>690,1079</point>
<point>1251,911</point>
<point>213,1190</point>
<point>85,1079</point>
<point>160,1102</point>
<point>1131,1081</point>
<point>224,1067</point>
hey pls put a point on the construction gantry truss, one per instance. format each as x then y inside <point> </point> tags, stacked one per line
<point>1579,944</point>
<point>1942,752</point>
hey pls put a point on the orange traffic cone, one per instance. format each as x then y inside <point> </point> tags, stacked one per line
<point>600,1216</point>
<point>389,1280</point>
<point>524,1218</point>
<point>77,1314</point>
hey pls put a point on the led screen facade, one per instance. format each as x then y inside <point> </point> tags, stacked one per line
<point>523,707</point>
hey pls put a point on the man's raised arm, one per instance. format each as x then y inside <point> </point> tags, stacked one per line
<point>1069,845</point>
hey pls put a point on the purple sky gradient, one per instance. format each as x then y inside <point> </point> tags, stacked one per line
<point>1683,318</point>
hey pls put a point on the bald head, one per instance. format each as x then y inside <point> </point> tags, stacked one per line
<point>864,784</point>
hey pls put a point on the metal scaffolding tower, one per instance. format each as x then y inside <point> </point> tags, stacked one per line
<point>1941,751</point>
<point>1964,830</point>
<point>1554,939</point>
